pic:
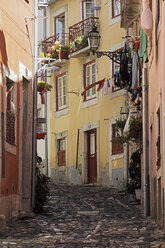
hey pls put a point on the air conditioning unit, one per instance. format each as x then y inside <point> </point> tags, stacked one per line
<point>42,3</point>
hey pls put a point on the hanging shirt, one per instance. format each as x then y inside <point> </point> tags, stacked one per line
<point>143,47</point>
<point>134,69</point>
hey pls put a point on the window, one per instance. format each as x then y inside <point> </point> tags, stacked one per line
<point>10,112</point>
<point>87,10</point>
<point>59,25</point>
<point>89,79</point>
<point>61,97</point>
<point>61,152</point>
<point>116,8</point>
<point>157,11</point>
<point>117,146</point>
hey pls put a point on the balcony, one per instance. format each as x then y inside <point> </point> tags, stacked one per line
<point>130,12</point>
<point>55,49</point>
<point>78,36</point>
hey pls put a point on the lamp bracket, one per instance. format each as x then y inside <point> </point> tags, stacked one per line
<point>114,56</point>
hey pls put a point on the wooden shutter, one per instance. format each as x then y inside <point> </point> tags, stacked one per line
<point>117,146</point>
<point>61,158</point>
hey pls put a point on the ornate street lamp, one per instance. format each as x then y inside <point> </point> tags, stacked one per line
<point>94,42</point>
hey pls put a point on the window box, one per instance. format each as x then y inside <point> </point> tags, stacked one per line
<point>40,135</point>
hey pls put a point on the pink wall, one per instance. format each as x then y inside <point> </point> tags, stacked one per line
<point>156,101</point>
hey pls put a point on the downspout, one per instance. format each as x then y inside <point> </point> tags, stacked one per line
<point>46,106</point>
<point>163,106</point>
<point>34,143</point>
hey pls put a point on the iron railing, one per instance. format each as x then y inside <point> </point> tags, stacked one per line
<point>49,42</point>
<point>82,28</point>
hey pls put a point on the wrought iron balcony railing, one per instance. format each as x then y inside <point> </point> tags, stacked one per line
<point>53,46</point>
<point>78,33</point>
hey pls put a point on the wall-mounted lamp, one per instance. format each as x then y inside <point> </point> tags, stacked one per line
<point>94,42</point>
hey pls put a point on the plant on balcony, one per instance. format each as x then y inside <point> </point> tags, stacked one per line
<point>79,43</point>
<point>59,50</point>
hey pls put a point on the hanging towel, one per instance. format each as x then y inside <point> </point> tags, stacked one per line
<point>105,88</point>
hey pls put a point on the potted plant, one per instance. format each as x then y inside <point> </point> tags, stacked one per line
<point>79,43</point>
<point>43,87</point>
<point>60,50</point>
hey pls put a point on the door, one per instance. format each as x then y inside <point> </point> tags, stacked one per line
<point>92,156</point>
<point>59,22</point>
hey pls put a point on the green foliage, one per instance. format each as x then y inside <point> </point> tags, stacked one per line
<point>58,46</point>
<point>134,129</point>
<point>79,42</point>
<point>42,84</point>
<point>134,172</point>
<point>42,187</point>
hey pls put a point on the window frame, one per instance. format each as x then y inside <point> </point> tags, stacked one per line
<point>62,38</point>
<point>113,10</point>
<point>57,91</point>
<point>85,66</point>
<point>117,147</point>
<point>83,9</point>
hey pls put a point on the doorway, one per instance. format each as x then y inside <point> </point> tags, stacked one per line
<point>92,156</point>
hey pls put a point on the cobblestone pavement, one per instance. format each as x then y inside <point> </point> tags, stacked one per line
<point>84,217</point>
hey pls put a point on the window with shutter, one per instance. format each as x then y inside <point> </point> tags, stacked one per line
<point>90,78</point>
<point>117,146</point>
<point>10,112</point>
<point>61,92</point>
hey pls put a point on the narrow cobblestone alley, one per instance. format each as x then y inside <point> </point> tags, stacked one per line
<point>82,217</point>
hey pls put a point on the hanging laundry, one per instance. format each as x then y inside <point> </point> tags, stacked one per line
<point>137,44</point>
<point>143,47</point>
<point>124,75</point>
<point>117,81</point>
<point>105,88</point>
<point>134,69</point>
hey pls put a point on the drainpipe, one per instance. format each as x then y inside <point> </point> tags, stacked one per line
<point>34,143</point>
<point>46,106</point>
<point>146,196</point>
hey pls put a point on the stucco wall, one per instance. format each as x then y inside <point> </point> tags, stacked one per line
<point>104,108</point>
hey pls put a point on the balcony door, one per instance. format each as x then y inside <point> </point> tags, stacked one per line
<point>87,10</point>
<point>59,24</point>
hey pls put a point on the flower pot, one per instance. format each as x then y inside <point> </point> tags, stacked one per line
<point>63,55</point>
<point>40,135</point>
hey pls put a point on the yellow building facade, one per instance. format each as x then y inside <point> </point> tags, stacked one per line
<point>81,115</point>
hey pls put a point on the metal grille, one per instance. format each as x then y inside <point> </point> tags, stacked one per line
<point>10,127</point>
